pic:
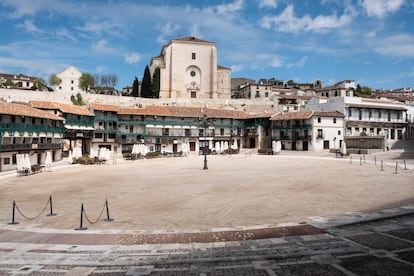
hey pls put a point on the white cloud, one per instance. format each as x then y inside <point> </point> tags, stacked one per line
<point>237,68</point>
<point>276,62</point>
<point>65,33</point>
<point>267,4</point>
<point>167,30</point>
<point>299,64</point>
<point>230,7</point>
<point>102,46</point>
<point>401,45</point>
<point>287,21</point>
<point>132,58</point>
<point>29,27</point>
<point>381,8</point>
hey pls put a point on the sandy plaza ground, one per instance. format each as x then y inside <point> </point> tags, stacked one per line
<point>236,190</point>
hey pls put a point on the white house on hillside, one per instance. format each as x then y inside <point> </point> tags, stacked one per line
<point>70,81</point>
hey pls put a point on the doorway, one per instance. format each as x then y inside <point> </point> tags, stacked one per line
<point>293,145</point>
<point>192,146</point>
<point>305,145</point>
<point>326,144</point>
<point>252,143</point>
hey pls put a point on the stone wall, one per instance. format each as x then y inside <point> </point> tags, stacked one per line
<point>251,106</point>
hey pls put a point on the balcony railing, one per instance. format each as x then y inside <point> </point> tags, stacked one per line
<point>86,123</point>
<point>47,146</point>
<point>21,128</point>
<point>301,126</point>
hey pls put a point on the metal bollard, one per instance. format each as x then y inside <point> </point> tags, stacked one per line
<point>81,220</point>
<point>382,165</point>
<point>107,212</point>
<point>360,161</point>
<point>51,208</point>
<point>396,167</point>
<point>405,165</point>
<point>350,159</point>
<point>13,214</point>
<point>375,160</point>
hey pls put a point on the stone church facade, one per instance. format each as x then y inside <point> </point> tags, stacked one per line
<point>188,69</point>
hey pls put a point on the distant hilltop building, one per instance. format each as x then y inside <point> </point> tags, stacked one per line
<point>188,69</point>
<point>69,80</point>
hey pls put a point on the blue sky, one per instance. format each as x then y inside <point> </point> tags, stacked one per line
<point>369,41</point>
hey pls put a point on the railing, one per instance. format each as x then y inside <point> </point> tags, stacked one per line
<point>87,123</point>
<point>10,147</point>
<point>101,117</point>
<point>21,128</point>
<point>302,126</point>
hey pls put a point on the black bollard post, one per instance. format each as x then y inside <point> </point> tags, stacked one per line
<point>396,167</point>
<point>13,213</point>
<point>405,165</point>
<point>107,212</point>
<point>51,208</point>
<point>382,165</point>
<point>81,220</point>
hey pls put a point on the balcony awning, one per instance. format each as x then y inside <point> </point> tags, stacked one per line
<point>79,127</point>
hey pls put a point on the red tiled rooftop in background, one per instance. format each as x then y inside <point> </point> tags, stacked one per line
<point>65,108</point>
<point>26,110</point>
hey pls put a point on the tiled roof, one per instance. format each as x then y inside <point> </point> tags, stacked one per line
<point>26,110</point>
<point>305,114</point>
<point>65,108</point>
<point>220,67</point>
<point>191,38</point>
<point>105,107</point>
<point>176,111</point>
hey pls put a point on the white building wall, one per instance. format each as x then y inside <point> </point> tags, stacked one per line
<point>70,81</point>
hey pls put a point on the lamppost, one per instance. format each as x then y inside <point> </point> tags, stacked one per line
<point>205,123</point>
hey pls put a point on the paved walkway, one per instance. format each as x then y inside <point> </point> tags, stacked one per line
<point>380,243</point>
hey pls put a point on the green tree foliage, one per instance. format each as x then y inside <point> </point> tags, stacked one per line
<point>86,81</point>
<point>135,88</point>
<point>39,84</point>
<point>363,91</point>
<point>77,100</point>
<point>54,80</point>
<point>146,84</point>
<point>155,85</point>
<point>8,83</point>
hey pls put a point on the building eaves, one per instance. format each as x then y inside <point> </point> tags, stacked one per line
<point>64,108</point>
<point>26,110</point>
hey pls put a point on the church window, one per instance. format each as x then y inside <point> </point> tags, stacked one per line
<point>193,73</point>
<point>193,55</point>
<point>193,94</point>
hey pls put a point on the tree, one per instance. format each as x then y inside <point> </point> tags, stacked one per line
<point>77,100</point>
<point>54,80</point>
<point>86,81</point>
<point>155,85</point>
<point>366,90</point>
<point>39,84</point>
<point>146,84</point>
<point>135,88</point>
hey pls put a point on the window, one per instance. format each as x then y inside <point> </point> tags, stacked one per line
<point>320,133</point>
<point>319,119</point>
<point>379,114</point>
<point>221,131</point>
<point>389,116</point>
<point>193,94</point>
<point>193,73</point>
<point>257,94</point>
<point>398,115</point>
<point>339,132</point>
<point>14,159</point>
<point>6,161</point>
<point>71,81</point>
<point>360,114</point>
<point>193,56</point>
<point>71,88</point>
<point>266,94</point>
<point>166,131</point>
<point>399,134</point>
<point>201,132</point>
<point>187,132</point>
<point>370,114</point>
<point>111,135</point>
<point>334,120</point>
<point>349,112</point>
<point>98,135</point>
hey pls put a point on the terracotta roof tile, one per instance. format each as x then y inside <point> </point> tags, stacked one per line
<point>191,38</point>
<point>176,111</point>
<point>305,114</point>
<point>26,110</point>
<point>65,108</point>
<point>105,107</point>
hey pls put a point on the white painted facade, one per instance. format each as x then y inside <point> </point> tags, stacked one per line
<point>70,81</point>
<point>188,69</point>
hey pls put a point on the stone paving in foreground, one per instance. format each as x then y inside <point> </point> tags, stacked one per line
<point>357,244</point>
